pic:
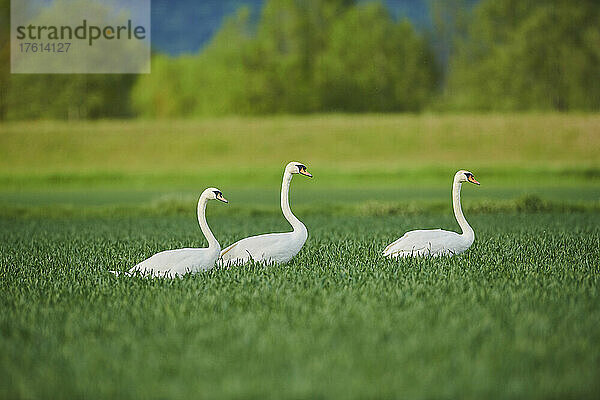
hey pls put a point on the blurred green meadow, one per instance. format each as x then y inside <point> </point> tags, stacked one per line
<point>355,159</point>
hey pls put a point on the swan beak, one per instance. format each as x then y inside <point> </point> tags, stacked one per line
<point>306,173</point>
<point>473,180</point>
<point>223,199</point>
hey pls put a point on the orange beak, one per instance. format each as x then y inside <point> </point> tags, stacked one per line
<point>473,180</point>
<point>221,198</point>
<point>306,173</point>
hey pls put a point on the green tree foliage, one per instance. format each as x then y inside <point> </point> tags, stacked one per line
<point>528,55</point>
<point>302,56</point>
<point>292,36</point>
<point>58,96</point>
<point>374,64</point>
<point>215,82</point>
<point>43,96</point>
<point>450,20</point>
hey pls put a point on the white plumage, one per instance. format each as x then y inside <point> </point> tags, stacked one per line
<point>437,242</point>
<point>272,247</point>
<point>174,263</point>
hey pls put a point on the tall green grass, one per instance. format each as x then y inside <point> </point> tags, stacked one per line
<point>516,316</point>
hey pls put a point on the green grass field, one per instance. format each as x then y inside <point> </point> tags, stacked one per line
<point>345,151</point>
<point>516,316</point>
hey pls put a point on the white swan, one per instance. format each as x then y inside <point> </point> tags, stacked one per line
<point>174,263</point>
<point>437,242</point>
<point>273,247</point>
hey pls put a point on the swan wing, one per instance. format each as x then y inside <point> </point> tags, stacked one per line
<point>228,249</point>
<point>433,242</point>
<point>178,262</point>
<point>271,247</point>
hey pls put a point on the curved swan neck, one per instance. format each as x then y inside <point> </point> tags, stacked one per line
<point>296,224</point>
<point>467,231</point>
<point>212,241</point>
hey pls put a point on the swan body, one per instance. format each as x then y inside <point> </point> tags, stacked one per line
<point>277,248</point>
<point>437,242</point>
<point>272,247</point>
<point>175,263</point>
<point>434,242</point>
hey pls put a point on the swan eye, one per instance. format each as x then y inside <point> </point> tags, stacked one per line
<point>217,193</point>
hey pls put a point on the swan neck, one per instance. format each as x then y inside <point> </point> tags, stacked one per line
<point>467,231</point>
<point>296,224</point>
<point>212,241</point>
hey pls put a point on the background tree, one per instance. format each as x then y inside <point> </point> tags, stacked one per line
<point>301,56</point>
<point>541,55</point>
<point>58,96</point>
<point>70,96</point>
<point>450,19</point>
<point>372,63</point>
<point>290,37</point>
<point>218,81</point>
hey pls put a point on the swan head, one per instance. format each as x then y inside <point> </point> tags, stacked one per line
<point>465,176</point>
<point>296,167</point>
<point>214,194</point>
